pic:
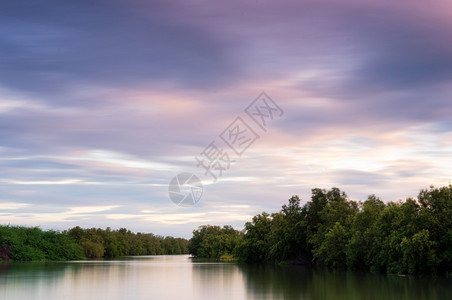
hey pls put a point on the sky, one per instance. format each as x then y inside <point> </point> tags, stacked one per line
<point>103,103</point>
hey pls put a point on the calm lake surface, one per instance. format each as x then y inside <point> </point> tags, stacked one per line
<point>178,277</point>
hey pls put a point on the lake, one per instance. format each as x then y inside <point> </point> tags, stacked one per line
<point>180,277</point>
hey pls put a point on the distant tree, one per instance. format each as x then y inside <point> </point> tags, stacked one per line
<point>31,243</point>
<point>92,249</point>
<point>213,241</point>
<point>108,243</point>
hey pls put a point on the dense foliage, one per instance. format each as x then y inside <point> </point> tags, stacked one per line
<point>409,237</point>
<point>214,241</point>
<point>32,243</point>
<point>97,243</point>
<point>27,244</point>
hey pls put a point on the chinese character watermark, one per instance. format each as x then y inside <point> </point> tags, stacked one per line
<point>239,136</point>
<point>213,160</point>
<point>262,110</point>
<point>186,189</point>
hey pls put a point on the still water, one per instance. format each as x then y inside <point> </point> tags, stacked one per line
<point>178,277</point>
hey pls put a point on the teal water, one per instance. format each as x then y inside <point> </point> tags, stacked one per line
<point>178,277</point>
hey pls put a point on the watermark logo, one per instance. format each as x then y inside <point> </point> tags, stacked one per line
<point>186,189</point>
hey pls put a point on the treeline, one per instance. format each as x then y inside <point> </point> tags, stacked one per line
<point>31,243</point>
<point>98,243</point>
<point>20,243</point>
<point>405,237</point>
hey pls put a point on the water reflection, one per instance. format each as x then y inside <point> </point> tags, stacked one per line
<point>289,282</point>
<point>178,277</point>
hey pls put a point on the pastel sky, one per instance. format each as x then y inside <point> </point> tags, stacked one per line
<point>103,102</point>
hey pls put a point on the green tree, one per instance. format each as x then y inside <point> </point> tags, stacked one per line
<point>92,249</point>
<point>213,241</point>
<point>419,253</point>
<point>331,253</point>
<point>256,241</point>
<point>288,233</point>
<point>358,250</point>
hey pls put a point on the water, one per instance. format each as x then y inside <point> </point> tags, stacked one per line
<point>178,277</point>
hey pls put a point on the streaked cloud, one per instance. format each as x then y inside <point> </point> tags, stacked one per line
<point>101,104</point>
<point>42,182</point>
<point>90,209</point>
<point>12,205</point>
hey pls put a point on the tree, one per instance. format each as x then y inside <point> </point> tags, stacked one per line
<point>288,233</point>
<point>331,252</point>
<point>213,241</point>
<point>419,253</point>
<point>256,244</point>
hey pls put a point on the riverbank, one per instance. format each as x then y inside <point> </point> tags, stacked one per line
<point>405,237</point>
<point>19,243</point>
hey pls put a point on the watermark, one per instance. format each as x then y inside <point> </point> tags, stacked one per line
<point>186,189</point>
<point>263,110</point>
<point>239,136</point>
